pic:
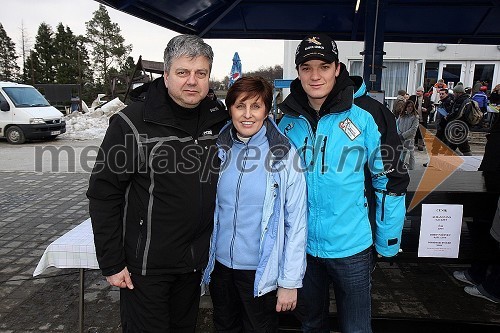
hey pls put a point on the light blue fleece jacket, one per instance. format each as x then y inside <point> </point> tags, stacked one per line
<point>241,197</point>
<point>283,227</point>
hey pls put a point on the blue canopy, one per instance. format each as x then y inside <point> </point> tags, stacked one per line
<point>438,21</point>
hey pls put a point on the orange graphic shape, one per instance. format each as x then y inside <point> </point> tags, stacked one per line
<point>442,163</point>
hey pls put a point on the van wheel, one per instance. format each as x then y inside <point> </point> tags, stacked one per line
<point>15,135</point>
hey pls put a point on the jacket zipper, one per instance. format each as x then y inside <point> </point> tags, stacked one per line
<point>233,238</point>
<point>383,207</point>
<point>200,222</point>
<point>323,168</point>
<point>305,149</point>
<point>139,241</point>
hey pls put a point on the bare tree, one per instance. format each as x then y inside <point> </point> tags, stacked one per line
<point>25,44</point>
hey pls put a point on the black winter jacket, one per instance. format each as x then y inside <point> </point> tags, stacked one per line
<point>152,190</point>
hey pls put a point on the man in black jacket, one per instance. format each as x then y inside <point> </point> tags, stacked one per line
<point>152,193</point>
<point>457,128</point>
<point>442,111</point>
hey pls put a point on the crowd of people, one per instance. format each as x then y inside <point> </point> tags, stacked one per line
<point>443,107</point>
<point>185,194</point>
<point>483,276</point>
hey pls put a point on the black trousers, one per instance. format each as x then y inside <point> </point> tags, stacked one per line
<point>164,303</point>
<point>418,134</point>
<point>485,250</point>
<point>235,307</point>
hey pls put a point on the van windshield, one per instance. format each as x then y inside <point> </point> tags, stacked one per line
<point>25,97</point>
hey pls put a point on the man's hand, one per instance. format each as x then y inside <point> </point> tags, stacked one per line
<point>287,299</point>
<point>121,280</point>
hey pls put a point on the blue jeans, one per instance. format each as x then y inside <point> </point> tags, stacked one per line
<point>351,278</point>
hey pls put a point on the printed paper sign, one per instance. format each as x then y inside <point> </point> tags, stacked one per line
<point>440,230</point>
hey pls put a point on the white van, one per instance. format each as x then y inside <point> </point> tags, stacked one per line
<point>25,114</point>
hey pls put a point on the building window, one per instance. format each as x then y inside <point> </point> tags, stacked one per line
<point>430,74</point>
<point>356,68</point>
<point>394,76</point>
<point>484,74</point>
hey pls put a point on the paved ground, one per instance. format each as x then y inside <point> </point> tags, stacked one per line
<point>38,207</point>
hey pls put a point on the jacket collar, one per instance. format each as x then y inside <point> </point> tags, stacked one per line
<point>359,86</point>
<point>279,145</point>
<point>157,108</point>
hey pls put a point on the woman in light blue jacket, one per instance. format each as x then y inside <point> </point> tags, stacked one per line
<point>257,254</point>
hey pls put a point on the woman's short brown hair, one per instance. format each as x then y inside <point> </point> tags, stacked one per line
<point>250,86</point>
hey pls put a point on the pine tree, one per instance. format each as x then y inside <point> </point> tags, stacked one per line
<point>107,44</point>
<point>31,67</point>
<point>9,70</point>
<point>66,55</point>
<point>83,57</point>
<point>127,71</point>
<point>128,66</point>
<point>42,60</point>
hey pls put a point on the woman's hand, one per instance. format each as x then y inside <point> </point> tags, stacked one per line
<point>287,299</point>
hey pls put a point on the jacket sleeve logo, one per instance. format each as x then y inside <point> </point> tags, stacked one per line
<point>288,128</point>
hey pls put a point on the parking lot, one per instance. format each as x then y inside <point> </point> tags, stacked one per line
<point>42,196</point>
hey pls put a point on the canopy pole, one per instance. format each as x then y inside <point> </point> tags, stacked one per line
<point>373,54</point>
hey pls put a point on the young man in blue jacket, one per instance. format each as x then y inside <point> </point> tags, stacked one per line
<point>336,139</point>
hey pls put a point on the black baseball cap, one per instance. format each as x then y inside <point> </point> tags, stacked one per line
<point>318,47</point>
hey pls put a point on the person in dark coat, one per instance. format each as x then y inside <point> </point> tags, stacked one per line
<point>442,110</point>
<point>152,193</point>
<point>483,277</point>
<point>495,95</point>
<point>456,120</point>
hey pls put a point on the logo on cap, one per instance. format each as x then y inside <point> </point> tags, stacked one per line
<point>313,40</point>
<point>316,47</point>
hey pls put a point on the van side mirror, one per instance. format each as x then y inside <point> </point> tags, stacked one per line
<point>4,106</point>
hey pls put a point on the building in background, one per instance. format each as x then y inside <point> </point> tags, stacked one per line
<point>409,65</point>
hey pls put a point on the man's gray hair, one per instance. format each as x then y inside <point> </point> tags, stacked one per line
<point>186,45</point>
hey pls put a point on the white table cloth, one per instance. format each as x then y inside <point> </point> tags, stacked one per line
<point>74,249</point>
<point>449,163</point>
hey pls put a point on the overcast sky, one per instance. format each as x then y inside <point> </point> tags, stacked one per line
<point>148,40</point>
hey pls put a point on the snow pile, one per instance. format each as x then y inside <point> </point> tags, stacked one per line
<point>93,124</point>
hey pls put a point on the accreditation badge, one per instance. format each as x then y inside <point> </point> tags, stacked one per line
<point>349,129</point>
